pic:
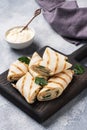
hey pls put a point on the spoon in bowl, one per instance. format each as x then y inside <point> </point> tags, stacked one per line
<point>36,13</point>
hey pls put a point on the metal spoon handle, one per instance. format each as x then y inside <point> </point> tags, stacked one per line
<point>37,12</point>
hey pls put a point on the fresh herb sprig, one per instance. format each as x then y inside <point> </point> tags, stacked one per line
<point>24,59</point>
<point>79,69</point>
<point>41,81</point>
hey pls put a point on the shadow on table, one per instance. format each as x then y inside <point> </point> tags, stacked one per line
<point>64,110</point>
<point>28,50</point>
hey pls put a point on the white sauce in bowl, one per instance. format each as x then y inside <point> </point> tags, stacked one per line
<point>15,35</point>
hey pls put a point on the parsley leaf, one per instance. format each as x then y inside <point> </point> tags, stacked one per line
<point>40,81</point>
<point>78,69</point>
<point>24,59</point>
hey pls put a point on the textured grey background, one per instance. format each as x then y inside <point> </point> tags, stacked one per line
<point>73,115</point>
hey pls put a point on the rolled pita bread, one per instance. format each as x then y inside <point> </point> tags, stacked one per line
<point>27,87</point>
<point>17,70</point>
<point>35,69</point>
<point>54,61</point>
<point>56,85</point>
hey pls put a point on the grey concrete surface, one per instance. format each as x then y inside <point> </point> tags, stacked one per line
<point>74,114</point>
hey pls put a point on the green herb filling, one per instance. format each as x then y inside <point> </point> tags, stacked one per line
<point>47,96</point>
<point>40,81</point>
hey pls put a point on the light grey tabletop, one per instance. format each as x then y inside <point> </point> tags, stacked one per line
<point>70,117</point>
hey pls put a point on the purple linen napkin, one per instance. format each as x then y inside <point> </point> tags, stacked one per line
<point>66,18</point>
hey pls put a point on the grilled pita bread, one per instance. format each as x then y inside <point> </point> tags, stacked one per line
<point>35,59</point>
<point>17,70</point>
<point>54,61</point>
<point>36,72</point>
<point>27,87</point>
<point>56,85</point>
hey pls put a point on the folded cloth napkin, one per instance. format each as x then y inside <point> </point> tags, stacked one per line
<point>66,18</point>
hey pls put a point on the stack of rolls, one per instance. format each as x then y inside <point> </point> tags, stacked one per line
<point>52,68</point>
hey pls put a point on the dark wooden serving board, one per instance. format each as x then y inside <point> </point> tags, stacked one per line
<point>41,111</point>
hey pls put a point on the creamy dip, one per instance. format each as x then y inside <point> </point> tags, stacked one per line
<point>15,35</point>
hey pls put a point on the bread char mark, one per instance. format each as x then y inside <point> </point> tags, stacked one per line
<point>62,78</point>
<point>57,60</point>
<point>48,60</point>
<point>55,82</point>
<point>67,75</point>
<point>23,83</point>
<point>18,68</point>
<point>64,67</point>
<point>31,85</point>
<point>12,72</point>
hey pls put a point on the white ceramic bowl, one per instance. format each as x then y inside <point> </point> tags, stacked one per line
<point>23,43</point>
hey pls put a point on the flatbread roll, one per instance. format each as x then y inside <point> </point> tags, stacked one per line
<point>54,61</point>
<point>17,70</point>
<point>56,85</point>
<point>36,72</point>
<point>27,87</point>
<point>35,59</point>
